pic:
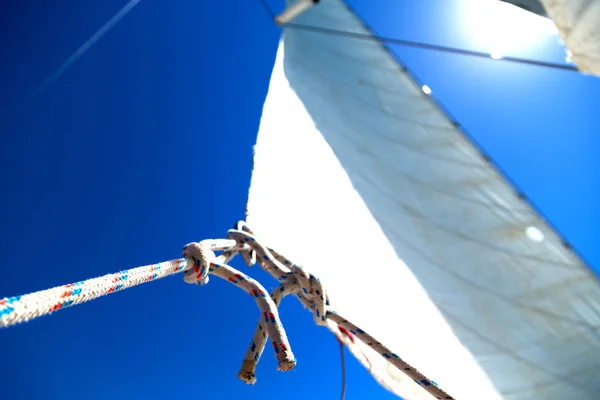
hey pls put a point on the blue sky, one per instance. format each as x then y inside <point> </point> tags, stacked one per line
<point>145,144</point>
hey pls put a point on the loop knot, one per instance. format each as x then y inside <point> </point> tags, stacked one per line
<point>248,256</point>
<point>199,259</point>
<point>312,293</point>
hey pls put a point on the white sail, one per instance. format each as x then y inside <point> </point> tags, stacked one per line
<point>360,177</point>
<point>578,22</point>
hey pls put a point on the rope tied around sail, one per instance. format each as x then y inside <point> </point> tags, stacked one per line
<point>312,295</point>
<point>200,261</point>
<point>313,292</point>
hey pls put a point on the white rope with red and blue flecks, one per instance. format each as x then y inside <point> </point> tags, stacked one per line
<point>308,289</point>
<point>199,262</point>
<point>14,310</point>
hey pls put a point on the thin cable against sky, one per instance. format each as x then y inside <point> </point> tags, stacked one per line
<point>409,43</point>
<point>74,57</point>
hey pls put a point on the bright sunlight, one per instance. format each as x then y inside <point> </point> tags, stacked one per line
<point>502,28</point>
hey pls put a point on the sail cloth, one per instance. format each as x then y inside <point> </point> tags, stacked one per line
<point>578,22</point>
<point>361,179</point>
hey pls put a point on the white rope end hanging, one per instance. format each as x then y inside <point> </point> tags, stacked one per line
<point>204,262</point>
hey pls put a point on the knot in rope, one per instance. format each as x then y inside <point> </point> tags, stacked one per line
<point>199,258</point>
<point>312,292</point>
<point>249,256</point>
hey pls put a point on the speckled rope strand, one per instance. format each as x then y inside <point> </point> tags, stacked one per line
<point>312,296</point>
<point>430,386</point>
<point>18,309</point>
<point>261,335</point>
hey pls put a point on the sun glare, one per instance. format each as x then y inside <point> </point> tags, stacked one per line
<point>501,28</point>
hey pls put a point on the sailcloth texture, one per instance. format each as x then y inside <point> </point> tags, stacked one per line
<point>360,178</point>
<point>578,22</point>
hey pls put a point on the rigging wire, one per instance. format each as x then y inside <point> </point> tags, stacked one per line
<point>421,45</point>
<point>73,58</point>
<point>343,360</point>
<point>268,9</point>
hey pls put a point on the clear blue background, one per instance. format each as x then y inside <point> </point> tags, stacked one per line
<point>145,144</point>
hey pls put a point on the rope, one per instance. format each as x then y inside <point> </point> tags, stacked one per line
<point>14,310</point>
<point>198,263</point>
